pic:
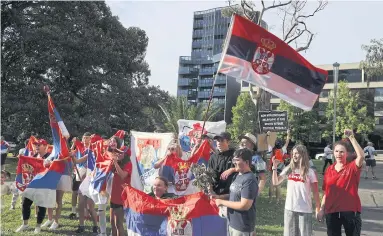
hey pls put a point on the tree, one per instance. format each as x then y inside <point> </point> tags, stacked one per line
<point>294,27</point>
<point>350,114</point>
<point>245,116</point>
<point>94,66</point>
<point>179,108</point>
<point>373,64</point>
<point>304,125</point>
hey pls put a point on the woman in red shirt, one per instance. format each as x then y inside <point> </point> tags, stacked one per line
<point>122,173</point>
<point>341,203</point>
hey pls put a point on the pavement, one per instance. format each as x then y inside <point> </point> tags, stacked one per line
<point>371,196</point>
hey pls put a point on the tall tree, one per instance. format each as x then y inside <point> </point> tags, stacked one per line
<point>245,116</point>
<point>304,125</point>
<point>373,64</point>
<point>350,114</point>
<point>94,66</point>
<point>179,108</point>
<point>294,27</point>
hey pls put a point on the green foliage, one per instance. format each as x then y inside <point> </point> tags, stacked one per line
<point>245,117</point>
<point>350,113</point>
<point>373,64</point>
<point>179,108</point>
<point>94,66</point>
<point>304,125</point>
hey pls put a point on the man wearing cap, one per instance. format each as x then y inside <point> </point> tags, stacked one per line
<point>221,162</point>
<point>258,165</point>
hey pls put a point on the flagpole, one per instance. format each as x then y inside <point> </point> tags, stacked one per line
<point>47,91</point>
<point>215,76</point>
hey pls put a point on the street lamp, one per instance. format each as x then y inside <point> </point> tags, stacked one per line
<point>336,74</point>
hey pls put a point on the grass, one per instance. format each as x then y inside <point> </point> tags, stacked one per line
<point>269,214</point>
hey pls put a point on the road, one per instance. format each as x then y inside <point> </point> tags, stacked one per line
<point>371,196</point>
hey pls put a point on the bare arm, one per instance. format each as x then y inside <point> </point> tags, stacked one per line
<point>123,174</point>
<point>287,140</point>
<point>262,182</point>
<point>277,180</point>
<point>158,164</point>
<point>243,205</point>
<point>314,187</point>
<point>359,151</point>
<point>81,160</point>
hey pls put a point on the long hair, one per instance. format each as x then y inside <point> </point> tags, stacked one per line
<point>304,163</point>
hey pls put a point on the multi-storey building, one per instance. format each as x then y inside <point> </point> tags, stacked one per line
<point>197,72</point>
<point>357,80</point>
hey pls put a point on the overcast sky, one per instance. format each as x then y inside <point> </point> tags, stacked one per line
<point>341,28</point>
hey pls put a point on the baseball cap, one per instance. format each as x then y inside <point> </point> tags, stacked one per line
<point>223,135</point>
<point>41,142</point>
<point>249,137</point>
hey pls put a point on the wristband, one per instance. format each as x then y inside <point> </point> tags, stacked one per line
<point>274,168</point>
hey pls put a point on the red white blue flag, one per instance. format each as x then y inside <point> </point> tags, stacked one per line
<point>191,215</point>
<point>254,55</point>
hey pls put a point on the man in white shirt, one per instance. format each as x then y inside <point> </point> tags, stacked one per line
<point>327,157</point>
<point>370,159</point>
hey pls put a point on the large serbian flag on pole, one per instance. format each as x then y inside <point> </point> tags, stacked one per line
<point>255,55</point>
<point>42,189</point>
<point>191,215</point>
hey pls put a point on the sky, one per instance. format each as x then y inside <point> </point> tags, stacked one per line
<point>340,30</point>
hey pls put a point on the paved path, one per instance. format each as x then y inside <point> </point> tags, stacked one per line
<point>371,196</point>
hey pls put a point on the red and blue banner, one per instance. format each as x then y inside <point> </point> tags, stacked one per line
<point>256,56</point>
<point>27,169</point>
<point>178,172</point>
<point>30,149</point>
<point>191,215</point>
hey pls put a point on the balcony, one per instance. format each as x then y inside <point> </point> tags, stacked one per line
<point>219,93</point>
<point>187,82</point>
<point>186,60</point>
<point>378,113</point>
<point>181,93</point>
<point>206,71</point>
<point>198,24</point>
<point>198,34</point>
<point>203,94</point>
<point>378,99</point>
<point>197,44</point>
<point>205,83</point>
<point>192,94</point>
<point>187,70</point>
<point>220,80</point>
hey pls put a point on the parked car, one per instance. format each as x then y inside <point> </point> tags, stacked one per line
<point>319,156</point>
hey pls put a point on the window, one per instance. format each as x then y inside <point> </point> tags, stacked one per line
<point>378,106</point>
<point>274,107</point>
<point>324,94</point>
<point>379,120</point>
<point>373,78</point>
<point>245,84</point>
<point>351,75</point>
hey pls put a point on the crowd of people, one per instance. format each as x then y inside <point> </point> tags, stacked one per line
<point>240,175</point>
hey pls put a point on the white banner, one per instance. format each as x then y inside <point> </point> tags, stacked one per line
<point>191,130</point>
<point>147,149</point>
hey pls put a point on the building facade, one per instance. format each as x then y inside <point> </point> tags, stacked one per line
<point>357,80</point>
<point>197,72</point>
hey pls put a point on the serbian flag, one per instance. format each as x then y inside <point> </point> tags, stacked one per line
<point>178,172</point>
<point>256,56</point>
<point>30,148</point>
<point>191,215</point>
<point>27,169</point>
<point>101,183</point>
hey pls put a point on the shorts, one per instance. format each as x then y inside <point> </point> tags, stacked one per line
<point>234,232</point>
<point>370,162</point>
<point>76,185</point>
<point>3,157</point>
<point>65,183</point>
<point>115,206</point>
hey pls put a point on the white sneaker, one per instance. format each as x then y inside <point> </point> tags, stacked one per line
<point>22,228</point>
<point>54,226</point>
<point>37,230</point>
<point>47,223</point>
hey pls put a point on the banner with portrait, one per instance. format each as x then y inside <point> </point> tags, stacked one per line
<point>190,131</point>
<point>147,149</point>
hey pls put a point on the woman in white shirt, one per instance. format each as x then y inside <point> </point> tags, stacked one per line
<point>301,182</point>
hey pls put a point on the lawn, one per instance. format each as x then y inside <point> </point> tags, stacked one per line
<point>269,215</point>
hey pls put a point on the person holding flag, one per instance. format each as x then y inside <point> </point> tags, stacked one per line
<point>4,151</point>
<point>85,203</point>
